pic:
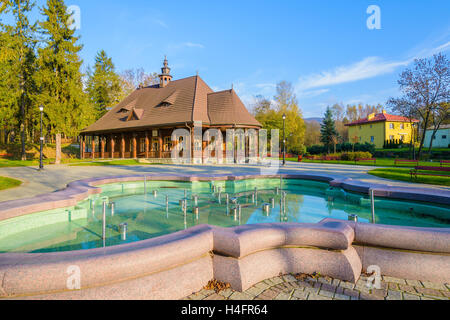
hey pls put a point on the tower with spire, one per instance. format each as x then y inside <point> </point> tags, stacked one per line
<point>165,77</point>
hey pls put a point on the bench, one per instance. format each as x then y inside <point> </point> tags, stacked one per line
<point>403,161</point>
<point>366,160</point>
<point>445,163</point>
<point>4,156</point>
<point>414,173</point>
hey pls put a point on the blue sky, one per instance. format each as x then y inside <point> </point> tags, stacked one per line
<point>323,47</point>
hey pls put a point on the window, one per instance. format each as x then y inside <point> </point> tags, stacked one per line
<point>372,139</point>
<point>371,126</point>
<point>391,138</point>
<point>391,126</point>
<point>444,137</point>
<point>167,144</point>
<point>142,145</point>
<point>402,126</point>
<point>155,145</point>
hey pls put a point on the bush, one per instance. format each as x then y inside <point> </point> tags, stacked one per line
<point>352,156</point>
<point>342,148</point>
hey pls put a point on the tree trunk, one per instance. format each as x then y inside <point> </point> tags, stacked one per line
<point>58,149</point>
<point>422,141</point>
<point>435,131</point>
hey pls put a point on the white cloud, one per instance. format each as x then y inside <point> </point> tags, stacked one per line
<point>312,93</point>
<point>161,23</point>
<point>192,45</point>
<point>429,52</point>
<point>367,68</point>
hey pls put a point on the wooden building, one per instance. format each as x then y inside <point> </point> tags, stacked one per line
<point>141,125</point>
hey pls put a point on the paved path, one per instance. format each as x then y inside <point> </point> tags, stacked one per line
<point>57,177</point>
<point>325,288</point>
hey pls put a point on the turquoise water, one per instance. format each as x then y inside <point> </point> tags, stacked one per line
<point>147,215</point>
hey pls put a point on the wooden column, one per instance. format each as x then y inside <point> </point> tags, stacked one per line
<point>112,146</point>
<point>82,147</point>
<point>93,147</point>
<point>122,147</point>
<point>147,145</point>
<point>134,146</point>
<point>102,146</point>
<point>160,144</point>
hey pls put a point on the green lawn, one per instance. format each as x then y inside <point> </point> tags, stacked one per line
<point>8,183</point>
<point>7,163</point>
<point>404,175</point>
<point>380,163</point>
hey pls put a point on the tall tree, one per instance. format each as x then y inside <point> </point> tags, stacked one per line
<point>340,121</point>
<point>270,115</point>
<point>287,104</point>
<point>312,136</point>
<point>18,72</point>
<point>425,87</point>
<point>104,84</point>
<point>328,130</point>
<point>134,78</point>
<point>8,99</point>
<point>66,105</point>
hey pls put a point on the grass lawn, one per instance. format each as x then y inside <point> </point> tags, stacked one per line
<point>8,183</point>
<point>129,162</point>
<point>404,175</point>
<point>380,163</point>
<point>7,163</point>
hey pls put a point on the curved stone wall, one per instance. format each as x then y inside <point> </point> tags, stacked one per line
<point>174,266</point>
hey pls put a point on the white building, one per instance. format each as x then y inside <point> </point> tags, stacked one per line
<point>441,139</point>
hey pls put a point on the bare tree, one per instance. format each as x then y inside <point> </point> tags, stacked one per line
<point>135,78</point>
<point>425,87</point>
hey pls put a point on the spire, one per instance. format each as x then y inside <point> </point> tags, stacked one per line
<point>165,77</point>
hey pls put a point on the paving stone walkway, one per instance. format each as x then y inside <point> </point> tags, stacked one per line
<point>325,288</point>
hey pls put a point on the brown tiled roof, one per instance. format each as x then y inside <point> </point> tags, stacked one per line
<point>185,100</point>
<point>382,117</point>
<point>225,107</point>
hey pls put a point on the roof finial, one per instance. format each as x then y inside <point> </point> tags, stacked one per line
<point>232,86</point>
<point>197,73</point>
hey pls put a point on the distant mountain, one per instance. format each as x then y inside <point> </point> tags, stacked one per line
<point>319,120</point>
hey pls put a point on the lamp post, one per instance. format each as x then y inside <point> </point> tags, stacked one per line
<point>284,139</point>
<point>41,164</point>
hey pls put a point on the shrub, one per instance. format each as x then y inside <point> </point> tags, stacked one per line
<point>343,147</point>
<point>352,156</point>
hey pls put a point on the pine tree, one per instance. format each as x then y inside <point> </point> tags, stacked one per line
<point>66,105</point>
<point>17,66</point>
<point>328,130</point>
<point>104,84</point>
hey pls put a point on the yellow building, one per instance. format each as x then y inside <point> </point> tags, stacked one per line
<point>378,128</point>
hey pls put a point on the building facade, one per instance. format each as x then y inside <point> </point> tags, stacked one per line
<point>378,128</point>
<point>141,125</point>
<point>441,139</point>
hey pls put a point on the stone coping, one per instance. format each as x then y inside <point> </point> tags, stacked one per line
<point>238,250</point>
<point>241,256</point>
